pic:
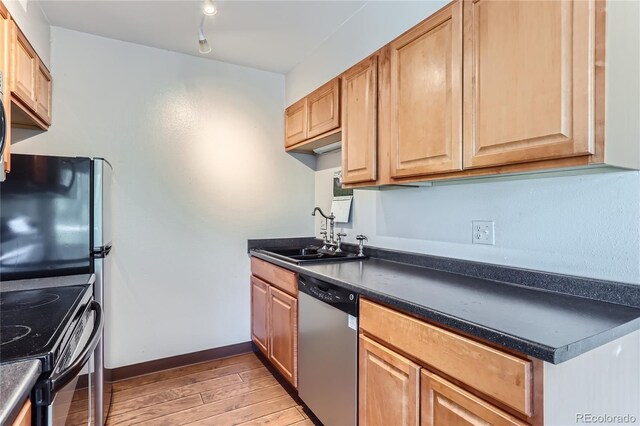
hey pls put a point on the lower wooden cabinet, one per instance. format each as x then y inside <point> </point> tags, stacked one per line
<point>412,372</point>
<point>283,333</point>
<point>274,316</point>
<point>389,386</point>
<point>24,416</point>
<point>445,404</point>
<point>259,311</point>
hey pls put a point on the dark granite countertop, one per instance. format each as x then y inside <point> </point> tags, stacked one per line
<point>16,381</point>
<point>547,325</point>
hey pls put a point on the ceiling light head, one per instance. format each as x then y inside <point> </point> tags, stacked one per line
<point>203,45</point>
<point>208,8</point>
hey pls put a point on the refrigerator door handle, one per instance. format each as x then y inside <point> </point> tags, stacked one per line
<point>101,252</point>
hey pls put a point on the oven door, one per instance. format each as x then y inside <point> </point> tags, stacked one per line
<point>70,387</point>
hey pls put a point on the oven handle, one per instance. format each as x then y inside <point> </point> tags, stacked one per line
<point>61,379</point>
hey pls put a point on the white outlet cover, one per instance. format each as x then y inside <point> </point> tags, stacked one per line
<point>483,232</point>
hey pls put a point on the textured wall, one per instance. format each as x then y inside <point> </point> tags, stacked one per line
<point>196,147</point>
<point>577,225</point>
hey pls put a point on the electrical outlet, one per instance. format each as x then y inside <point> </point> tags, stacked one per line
<point>323,225</point>
<point>483,232</point>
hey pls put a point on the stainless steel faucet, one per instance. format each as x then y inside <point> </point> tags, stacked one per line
<point>331,218</point>
<point>361,239</point>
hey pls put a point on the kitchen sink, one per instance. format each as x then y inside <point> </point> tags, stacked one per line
<point>309,254</point>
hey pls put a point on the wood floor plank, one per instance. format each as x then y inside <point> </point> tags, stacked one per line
<point>305,422</point>
<point>256,373</point>
<point>121,405</point>
<point>81,405</point>
<point>77,418</point>
<point>301,410</point>
<point>187,379</point>
<point>181,371</point>
<point>247,414</point>
<point>155,411</point>
<point>237,389</point>
<point>220,407</point>
<point>280,418</point>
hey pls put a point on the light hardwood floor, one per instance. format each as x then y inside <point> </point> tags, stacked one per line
<point>231,391</point>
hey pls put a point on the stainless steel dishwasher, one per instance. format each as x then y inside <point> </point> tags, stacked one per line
<point>328,351</point>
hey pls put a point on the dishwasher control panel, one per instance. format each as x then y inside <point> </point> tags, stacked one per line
<point>336,296</point>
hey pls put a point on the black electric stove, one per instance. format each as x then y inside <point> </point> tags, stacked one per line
<point>37,324</point>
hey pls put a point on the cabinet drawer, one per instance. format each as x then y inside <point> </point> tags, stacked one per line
<point>286,281</point>
<point>497,374</point>
<point>445,404</point>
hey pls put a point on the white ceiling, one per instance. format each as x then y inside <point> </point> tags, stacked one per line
<point>269,35</point>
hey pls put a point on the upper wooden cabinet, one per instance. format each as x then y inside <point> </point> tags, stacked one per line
<point>323,110</point>
<point>359,121</point>
<point>25,68</point>
<point>314,120</point>
<point>295,123</point>
<point>5,61</point>
<point>426,96</point>
<point>529,80</point>
<point>482,88</point>
<point>43,93</point>
<point>30,84</point>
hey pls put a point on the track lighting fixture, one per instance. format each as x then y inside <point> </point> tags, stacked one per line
<point>203,44</point>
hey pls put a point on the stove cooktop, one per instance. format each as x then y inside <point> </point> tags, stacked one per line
<point>35,323</point>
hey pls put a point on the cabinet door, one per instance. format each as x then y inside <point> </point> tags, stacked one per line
<point>295,123</point>
<point>43,93</point>
<point>360,121</point>
<point>24,416</point>
<point>259,314</point>
<point>283,334</point>
<point>323,113</point>
<point>444,404</point>
<point>528,83</point>
<point>388,386</point>
<point>426,96</point>
<point>5,36</point>
<point>23,81</point>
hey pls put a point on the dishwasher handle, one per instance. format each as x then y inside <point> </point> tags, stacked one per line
<point>331,294</point>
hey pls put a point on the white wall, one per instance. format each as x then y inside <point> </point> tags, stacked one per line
<point>34,24</point>
<point>196,147</point>
<point>610,389</point>
<point>582,225</point>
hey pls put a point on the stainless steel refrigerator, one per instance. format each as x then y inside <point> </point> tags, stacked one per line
<point>102,245</point>
<point>55,220</point>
